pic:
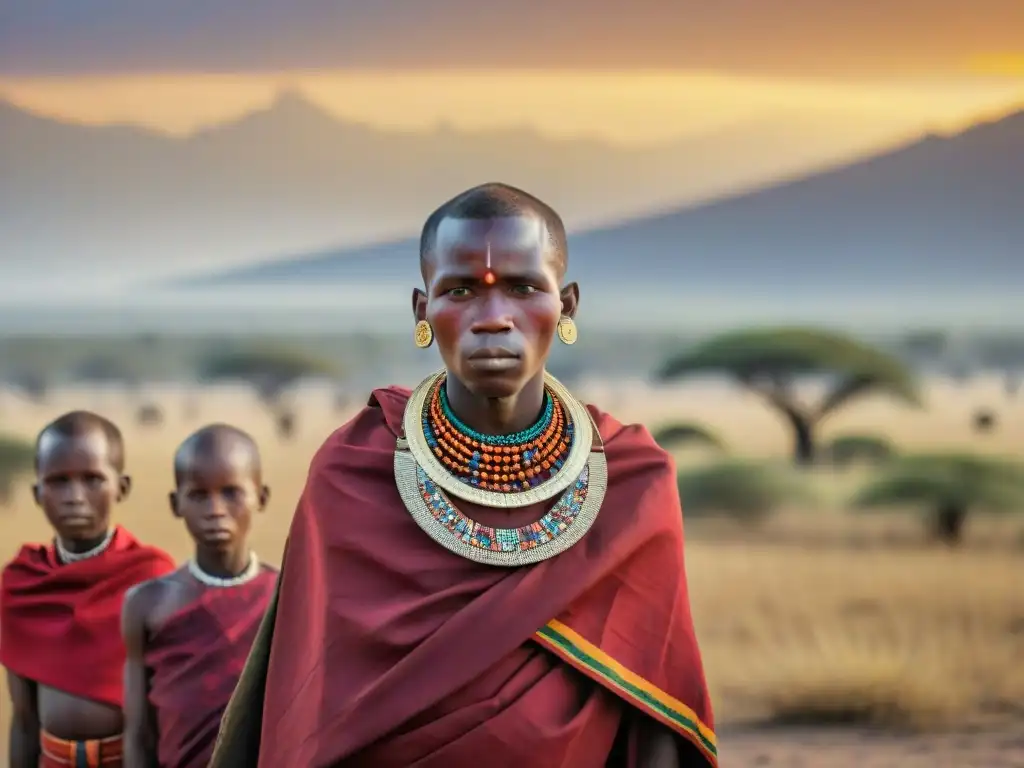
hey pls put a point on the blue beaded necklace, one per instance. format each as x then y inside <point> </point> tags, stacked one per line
<point>524,436</point>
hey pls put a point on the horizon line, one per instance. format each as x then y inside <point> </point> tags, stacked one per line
<point>286,84</point>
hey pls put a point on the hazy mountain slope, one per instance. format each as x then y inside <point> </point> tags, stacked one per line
<point>119,202</point>
<point>939,214</point>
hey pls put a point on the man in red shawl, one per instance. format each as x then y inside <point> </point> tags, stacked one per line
<point>60,603</point>
<point>484,571</point>
<point>188,633</point>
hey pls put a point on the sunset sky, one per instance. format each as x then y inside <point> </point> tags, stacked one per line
<point>633,72</point>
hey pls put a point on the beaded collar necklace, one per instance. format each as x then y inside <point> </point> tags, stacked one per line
<point>251,572</point>
<point>432,436</point>
<point>67,556</point>
<point>504,463</point>
<point>560,456</point>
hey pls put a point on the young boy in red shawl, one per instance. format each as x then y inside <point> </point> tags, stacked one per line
<point>60,603</point>
<point>483,571</point>
<point>188,633</point>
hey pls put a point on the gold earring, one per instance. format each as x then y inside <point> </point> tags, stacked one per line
<point>423,335</point>
<point>567,330</point>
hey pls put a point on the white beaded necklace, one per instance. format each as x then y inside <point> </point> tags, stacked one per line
<point>251,572</point>
<point>67,556</point>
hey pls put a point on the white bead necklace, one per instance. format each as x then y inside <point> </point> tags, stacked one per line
<point>67,556</point>
<point>251,572</point>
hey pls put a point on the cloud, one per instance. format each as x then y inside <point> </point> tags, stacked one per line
<point>782,36</point>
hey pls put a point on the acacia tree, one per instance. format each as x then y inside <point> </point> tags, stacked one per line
<point>771,362</point>
<point>949,487</point>
<point>17,458</point>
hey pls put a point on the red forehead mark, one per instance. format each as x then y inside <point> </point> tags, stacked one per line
<point>489,277</point>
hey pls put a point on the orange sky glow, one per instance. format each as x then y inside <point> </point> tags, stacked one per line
<point>627,107</point>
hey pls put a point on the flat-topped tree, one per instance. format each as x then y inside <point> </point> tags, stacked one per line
<point>948,487</point>
<point>271,372</point>
<point>770,362</point>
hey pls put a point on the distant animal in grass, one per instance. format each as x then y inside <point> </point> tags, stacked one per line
<point>984,420</point>
<point>285,422</point>
<point>149,415</point>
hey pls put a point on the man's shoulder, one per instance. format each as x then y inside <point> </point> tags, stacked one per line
<point>630,441</point>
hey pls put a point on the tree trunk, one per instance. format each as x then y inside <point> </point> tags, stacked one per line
<point>778,396</point>
<point>803,438</point>
<point>949,524</point>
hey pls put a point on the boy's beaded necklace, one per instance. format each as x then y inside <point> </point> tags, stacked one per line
<point>67,556</point>
<point>498,463</point>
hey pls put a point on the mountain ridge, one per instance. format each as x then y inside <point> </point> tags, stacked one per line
<point>939,213</point>
<point>130,201</point>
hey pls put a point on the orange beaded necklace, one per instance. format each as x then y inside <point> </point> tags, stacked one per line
<point>505,463</point>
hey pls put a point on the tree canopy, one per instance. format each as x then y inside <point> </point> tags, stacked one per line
<point>770,362</point>
<point>740,489</point>
<point>270,371</point>
<point>948,487</point>
<point>859,448</point>
<point>676,435</point>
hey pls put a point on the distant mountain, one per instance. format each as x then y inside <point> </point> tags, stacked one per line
<point>108,203</point>
<point>936,220</point>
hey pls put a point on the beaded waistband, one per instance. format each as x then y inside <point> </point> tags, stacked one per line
<point>92,753</point>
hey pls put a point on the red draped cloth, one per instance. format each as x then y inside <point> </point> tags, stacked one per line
<point>388,650</point>
<point>195,659</point>
<point>60,623</point>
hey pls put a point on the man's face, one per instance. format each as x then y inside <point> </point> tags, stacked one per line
<point>492,297</point>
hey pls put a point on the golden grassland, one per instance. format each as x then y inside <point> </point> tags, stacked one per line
<point>819,616</point>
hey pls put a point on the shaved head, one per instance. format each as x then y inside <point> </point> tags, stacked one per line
<point>496,201</point>
<point>217,441</point>
<point>79,424</point>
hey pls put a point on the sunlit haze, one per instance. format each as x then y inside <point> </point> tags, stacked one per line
<point>627,107</point>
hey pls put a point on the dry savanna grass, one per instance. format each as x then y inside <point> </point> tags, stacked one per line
<point>816,617</point>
